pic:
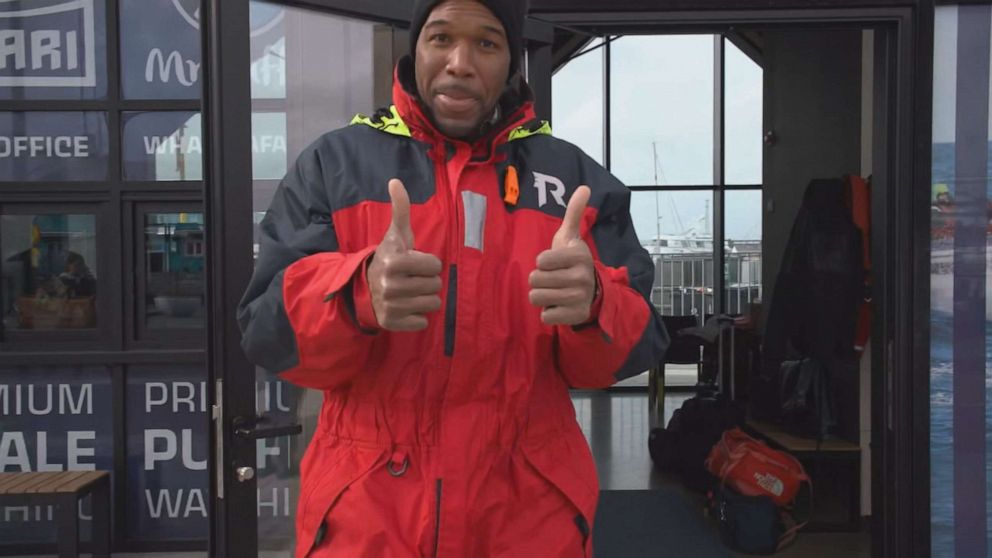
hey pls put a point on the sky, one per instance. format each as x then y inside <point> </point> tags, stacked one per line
<point>662,127</point>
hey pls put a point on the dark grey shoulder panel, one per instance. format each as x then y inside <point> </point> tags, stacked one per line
<point>542,161</point>
<point>267,336</point>
<point>357,162</point>
<point>648,351</point>
<point>339,170</point>
<point>298,223</point>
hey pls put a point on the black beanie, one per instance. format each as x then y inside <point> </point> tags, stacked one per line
<point>511,13</point>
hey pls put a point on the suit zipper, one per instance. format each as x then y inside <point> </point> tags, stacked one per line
<point>451,311</point>
<point>451,302</point>
<point>437,519</point>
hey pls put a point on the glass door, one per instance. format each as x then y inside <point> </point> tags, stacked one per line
<point>311,72</point>
<point>301,72</point>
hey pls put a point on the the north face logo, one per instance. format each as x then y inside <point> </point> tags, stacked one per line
<point>547,184</point>
<point>770,482</point>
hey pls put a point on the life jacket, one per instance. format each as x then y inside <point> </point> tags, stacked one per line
<point>858,199</point>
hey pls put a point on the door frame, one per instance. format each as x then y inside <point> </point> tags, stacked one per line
<point>900,216</point>
<point>900,402</point>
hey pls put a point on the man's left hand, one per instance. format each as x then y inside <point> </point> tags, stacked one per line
<point>564,283</point>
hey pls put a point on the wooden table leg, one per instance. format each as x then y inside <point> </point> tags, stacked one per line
<point>101,519</point>
<point>67,517</point>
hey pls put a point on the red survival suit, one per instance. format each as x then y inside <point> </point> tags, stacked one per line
<point>459,440</point>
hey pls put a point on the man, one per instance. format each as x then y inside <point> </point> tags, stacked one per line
<point>438,271</point>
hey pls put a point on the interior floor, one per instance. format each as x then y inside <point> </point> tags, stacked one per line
<point>644,512</point>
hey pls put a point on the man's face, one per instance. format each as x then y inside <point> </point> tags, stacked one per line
<point>462,63</point>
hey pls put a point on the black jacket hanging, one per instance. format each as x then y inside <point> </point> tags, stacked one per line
<point>813,311</point>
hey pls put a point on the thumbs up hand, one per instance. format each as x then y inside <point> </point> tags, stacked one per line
<point>403,282</point>
<point>564,283</point>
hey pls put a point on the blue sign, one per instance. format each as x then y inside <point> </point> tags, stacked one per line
<point>160,45</point>
<point>53,48</point>
<point>54,146</point>
<point>52,419</point>
<point>167,451</point>
<point>167,438</point>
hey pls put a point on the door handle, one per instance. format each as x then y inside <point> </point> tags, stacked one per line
<point>251,428</point>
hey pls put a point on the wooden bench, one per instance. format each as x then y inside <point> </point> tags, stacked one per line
<point>814,455</point>
<point>64,490</point>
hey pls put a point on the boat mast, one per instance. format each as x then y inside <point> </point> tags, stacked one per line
<point>657,206</point>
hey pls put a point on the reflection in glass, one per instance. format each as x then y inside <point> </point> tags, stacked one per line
<point>268,62</point>
<point>577,101</point>
<point>323,70</point>
<point>743,96</point>
<point>661,110</point>
<point>48,271</point>
<point>676,229</point>
<point>174,262</point>
<point>742,250</point>
<point>268,145</point>
<point>163,146</point>
<point>310,74</point>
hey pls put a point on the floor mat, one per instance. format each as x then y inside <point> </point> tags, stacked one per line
<point>653,523</point>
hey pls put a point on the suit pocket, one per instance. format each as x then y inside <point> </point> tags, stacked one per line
<point>323,490</point>
<point>569,468</point>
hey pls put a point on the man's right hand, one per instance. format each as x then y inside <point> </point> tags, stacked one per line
<point>404,283</point>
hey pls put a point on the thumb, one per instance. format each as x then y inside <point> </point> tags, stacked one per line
<point>400,223</point>
<point>572,223</point>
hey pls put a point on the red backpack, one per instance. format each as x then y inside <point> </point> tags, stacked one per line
<point>754,469</point>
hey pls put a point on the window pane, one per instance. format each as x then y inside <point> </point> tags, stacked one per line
<point>174,256</point>
<point>742,250</point>
<point>160,49</point>
<point>323,68</point>
<point>661,109</point>
<point>53,419</point>
<point>268,145</point>
<point>53,49</point>
<point>162,146</point>
<point>53,146</point>
<point>49,271</point>
<point>577,101</point>
<point>676,229</point>
<point>324,89</point>
<point>744,102</point>
<point>268,51</point>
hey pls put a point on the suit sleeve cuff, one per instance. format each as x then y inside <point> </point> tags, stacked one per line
<point>362,295</point>
<point>596,309</point>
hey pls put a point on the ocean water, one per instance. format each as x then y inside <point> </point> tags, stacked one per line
<point>941,434</point>
<point>942,397</point>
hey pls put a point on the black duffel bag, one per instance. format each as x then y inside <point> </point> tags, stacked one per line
<point>683,446</point>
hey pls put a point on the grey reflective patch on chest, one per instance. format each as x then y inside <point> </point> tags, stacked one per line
<point>475,219</point>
